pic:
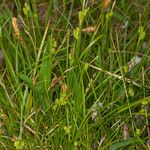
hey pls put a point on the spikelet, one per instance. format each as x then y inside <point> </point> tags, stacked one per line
<point>16,30</point>
<point>15,26</point>
<point>89,29</point>
<point>106,4</point>
<point>126,134</point>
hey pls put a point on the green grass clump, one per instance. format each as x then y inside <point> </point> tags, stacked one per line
<point>78,80</point>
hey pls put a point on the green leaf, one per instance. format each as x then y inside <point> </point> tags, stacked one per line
<point>46,65</point>
<point>119,145</point>
<point>26,79</point>
<point>118,16</point>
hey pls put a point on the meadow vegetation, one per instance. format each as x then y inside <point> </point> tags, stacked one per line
<point>76,74</point>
